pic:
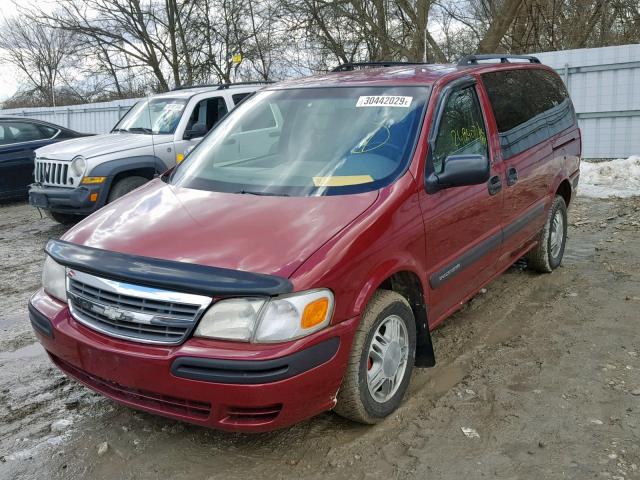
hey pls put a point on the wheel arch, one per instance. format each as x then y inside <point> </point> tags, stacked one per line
<point>144,166</point>
<point>565,191</point>
<point>561,185</point>
<point>406,282</point>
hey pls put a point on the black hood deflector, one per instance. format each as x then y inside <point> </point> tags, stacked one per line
<point>166,274</point>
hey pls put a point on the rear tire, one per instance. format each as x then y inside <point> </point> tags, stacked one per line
<point>547,255</point>
<point>64,218</point>
<point>124,186</point>
<point>381,360</point>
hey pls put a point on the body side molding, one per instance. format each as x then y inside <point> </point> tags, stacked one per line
<point>440,277</point>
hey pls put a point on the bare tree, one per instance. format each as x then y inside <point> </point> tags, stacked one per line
<point>124,26</point>
<point>41,53</point>
<point>126,47</point>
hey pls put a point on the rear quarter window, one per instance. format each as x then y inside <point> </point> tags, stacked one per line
<point>529,106</point>
<point>238,97</point>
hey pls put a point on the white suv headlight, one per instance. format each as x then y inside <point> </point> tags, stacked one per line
<point>272,320</point>
<point>78,166</point>
<point>54,279</point>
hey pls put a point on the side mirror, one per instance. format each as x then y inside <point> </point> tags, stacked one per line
<point>458,171</point>
<point>197,130</point>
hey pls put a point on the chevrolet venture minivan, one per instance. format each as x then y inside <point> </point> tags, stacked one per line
<point>298,258</point>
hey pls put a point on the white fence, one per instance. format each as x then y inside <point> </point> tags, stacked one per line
<point>87,118</point>
<point>604,84</point>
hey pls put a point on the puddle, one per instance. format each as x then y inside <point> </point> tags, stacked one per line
<point>30,351</point>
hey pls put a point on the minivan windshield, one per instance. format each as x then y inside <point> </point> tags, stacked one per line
<point>155,116</point>
<point>309,141</point>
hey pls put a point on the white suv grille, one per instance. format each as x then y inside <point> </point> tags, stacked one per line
<point>55,173</point>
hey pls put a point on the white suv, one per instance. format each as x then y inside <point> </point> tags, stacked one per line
<point>76,177</point>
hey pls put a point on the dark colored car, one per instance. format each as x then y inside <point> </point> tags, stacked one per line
<point>19,138</point>
<point>269,278</point>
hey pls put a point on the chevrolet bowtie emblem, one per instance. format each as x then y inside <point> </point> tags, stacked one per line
<point>110,313</point>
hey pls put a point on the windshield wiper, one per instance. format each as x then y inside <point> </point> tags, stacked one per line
<point>264,194</point>
<point>133,130</point>
<point>139,129</point>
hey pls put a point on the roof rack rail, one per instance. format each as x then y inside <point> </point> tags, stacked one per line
<point>237,84</point>
<point>348,67</point>
<point>220,86</point>
<point>504,58</point>
<point>187,87</point>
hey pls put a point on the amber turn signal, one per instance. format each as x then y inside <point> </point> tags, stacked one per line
<point>93,180</point>
<point>93,197</point>
<point>315,313</point>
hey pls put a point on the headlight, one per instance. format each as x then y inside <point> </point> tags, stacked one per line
<point>54,279</point>
<point>232,319</point>
<point>78,166</point>
<point>268,320</point>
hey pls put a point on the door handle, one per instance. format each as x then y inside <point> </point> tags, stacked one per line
<point>512,177</point>
<point>494,185</point>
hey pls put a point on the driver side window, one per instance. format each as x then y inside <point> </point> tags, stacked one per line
<point>461,130</point>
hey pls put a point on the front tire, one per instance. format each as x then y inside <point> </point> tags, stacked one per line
<point>381,360</point>
<point>547,255</point>
<point>124,186</point>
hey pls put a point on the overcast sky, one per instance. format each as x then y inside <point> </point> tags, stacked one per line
<point>8,73</point>
<point>9,76</point>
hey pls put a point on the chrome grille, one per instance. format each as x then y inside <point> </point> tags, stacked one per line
<point>133,312</point>
<point>56,173</point>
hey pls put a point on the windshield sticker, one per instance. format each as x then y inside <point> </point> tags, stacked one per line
<point>342,180</point>
<point>174,107</point>
<point>384,101</point>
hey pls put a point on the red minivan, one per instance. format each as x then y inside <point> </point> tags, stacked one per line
<point>297,260</point>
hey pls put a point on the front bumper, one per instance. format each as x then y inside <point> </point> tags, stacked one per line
<point>75,201</point>
<point>225,385</point>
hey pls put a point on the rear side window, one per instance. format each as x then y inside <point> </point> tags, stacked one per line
<point>5,135</point>
<point>529,106</point>
<point>461,130</point>
<point>238,97</point>
<point>48,132</point>
<point>208,112</point>
<point>16,132</point>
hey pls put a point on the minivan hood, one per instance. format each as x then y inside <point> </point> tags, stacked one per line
<point>96,145</point>
<point>263,234</point>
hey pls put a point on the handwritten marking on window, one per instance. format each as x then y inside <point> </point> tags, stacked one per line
<point>463,136</point>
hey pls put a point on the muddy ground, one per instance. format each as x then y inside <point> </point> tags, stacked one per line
<point>546,369</point>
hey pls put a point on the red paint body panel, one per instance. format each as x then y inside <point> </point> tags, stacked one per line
<point>350,244</point>
<point>271,235</point>
<point>146,369</point>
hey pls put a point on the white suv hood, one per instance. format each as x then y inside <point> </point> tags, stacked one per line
<point>98,145</point>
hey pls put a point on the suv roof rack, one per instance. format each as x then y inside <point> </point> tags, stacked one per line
<point>348,67</point>
<point>504,58</point>
<point>221,86</point>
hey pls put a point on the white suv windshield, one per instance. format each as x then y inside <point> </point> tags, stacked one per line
<point>310,141</point>
<point>157,116</point>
